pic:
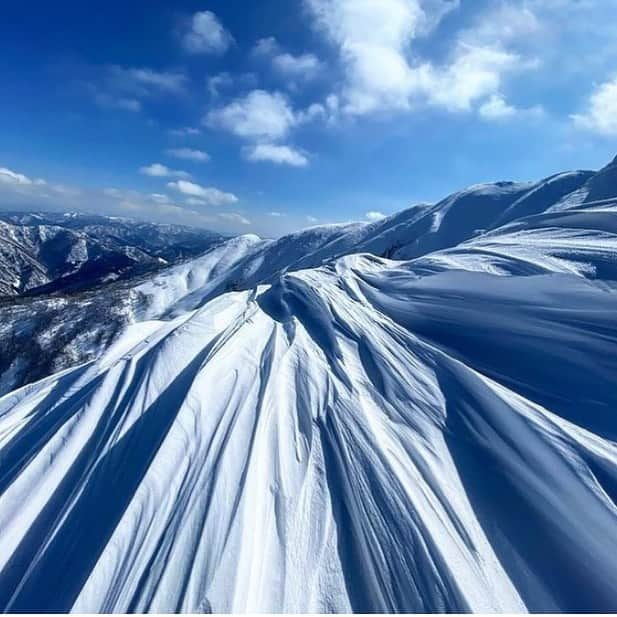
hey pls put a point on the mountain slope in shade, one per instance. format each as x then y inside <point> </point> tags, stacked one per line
<point>433,434</point>
<point>42,335</point>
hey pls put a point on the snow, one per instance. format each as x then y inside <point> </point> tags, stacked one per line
<point>352,433</point>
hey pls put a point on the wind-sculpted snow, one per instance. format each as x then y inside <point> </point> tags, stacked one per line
<point>355,437</point>
<point>288,426</point>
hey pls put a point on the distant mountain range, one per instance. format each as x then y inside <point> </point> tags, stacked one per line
<point>42,253</point>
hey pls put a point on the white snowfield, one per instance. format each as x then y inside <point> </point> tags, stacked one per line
<point>435,434</point>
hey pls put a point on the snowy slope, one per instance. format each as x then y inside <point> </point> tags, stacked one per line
<point>355,434</point>
<point>353,437</point>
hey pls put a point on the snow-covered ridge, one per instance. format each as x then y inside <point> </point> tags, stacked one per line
<point>344,433</point>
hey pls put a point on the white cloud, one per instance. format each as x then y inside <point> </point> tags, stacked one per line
<point>303,66</point>
<point>601,114</point>
<point>234,217</point>
<point>259,115</point>
<point>210,196</point>
<point>475,73</point>
<point>374,216</point>
<point>189,154</point>
<point>275,214</point>
<point>373,38</point>
<point>206,35</point>
<point>281,155</point>
<point>156,170</point>
<point>381,71</point>
<point>312,219</point>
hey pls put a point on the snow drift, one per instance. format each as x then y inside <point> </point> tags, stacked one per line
<point>431,434</point>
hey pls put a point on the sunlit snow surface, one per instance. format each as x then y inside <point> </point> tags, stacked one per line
<point>371,435</point>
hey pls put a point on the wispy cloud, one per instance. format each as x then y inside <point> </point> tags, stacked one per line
<point>235,217</point>
<point>189,154</point>
<point>7,176</point>
<point>186,131</point>
<point>210,196</point>
<point>126,88</point>
<point>110,101</point>
<point>144,81</point>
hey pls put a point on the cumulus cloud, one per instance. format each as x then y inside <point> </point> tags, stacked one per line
<point>374,216</point>
<point>279,154</point>
<point>304,66</point>
<point>206,35</point>
<point>259,115</point>
<point>374,39</point>
<point>189,154</point>
<point>157,170</point>
<point>601,113</point>
<point>210,196</point>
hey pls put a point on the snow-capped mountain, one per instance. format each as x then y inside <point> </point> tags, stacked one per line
<point>412,415</point>
<point>51,252</point>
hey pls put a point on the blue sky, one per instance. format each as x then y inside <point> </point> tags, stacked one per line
<point>274,115</point>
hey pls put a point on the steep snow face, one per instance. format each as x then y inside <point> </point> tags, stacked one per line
<point>577,240</point>
<point>363,436</point>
